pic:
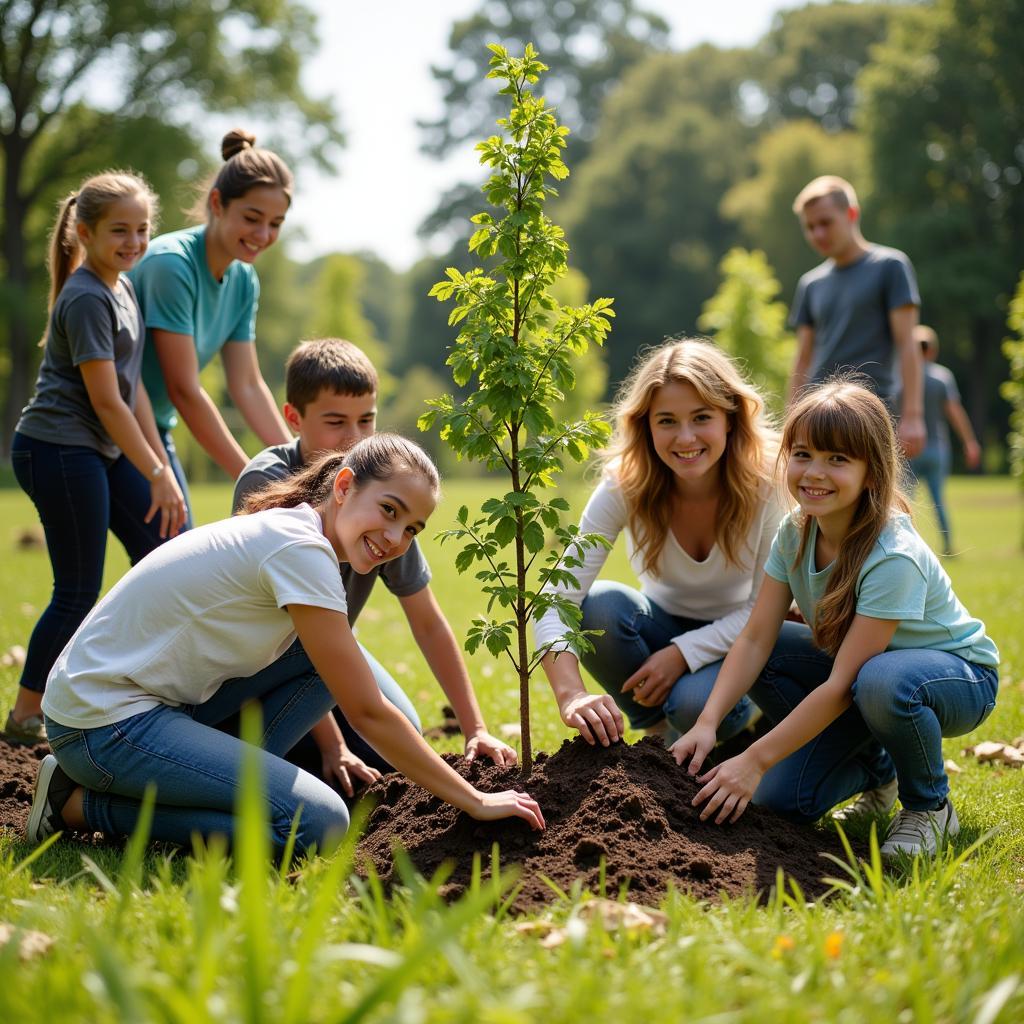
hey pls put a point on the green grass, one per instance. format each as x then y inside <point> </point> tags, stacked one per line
<point>168,937</point>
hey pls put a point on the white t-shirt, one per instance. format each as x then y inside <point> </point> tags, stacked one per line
<point>203,608</point>
<point>714,591</point>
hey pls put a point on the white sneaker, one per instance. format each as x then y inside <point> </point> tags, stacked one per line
<point>914,832</point>
<point>871,803</point>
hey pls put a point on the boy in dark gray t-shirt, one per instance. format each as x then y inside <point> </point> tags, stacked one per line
<point>331,404</point>
<point>857,310</point>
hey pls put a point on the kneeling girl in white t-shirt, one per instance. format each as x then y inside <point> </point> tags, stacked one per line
<point>138,693</point>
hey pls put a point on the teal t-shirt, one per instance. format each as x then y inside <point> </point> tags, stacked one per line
<point>901,579</point>
<point>177,293</point>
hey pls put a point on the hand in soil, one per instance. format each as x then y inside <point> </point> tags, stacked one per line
<point>728,788</point>
<point>694,746</point>
<point>342,767</point>
<point>596,717</point>
<point>652,682</point>
<point>509,804</point>
<point>485,745</point>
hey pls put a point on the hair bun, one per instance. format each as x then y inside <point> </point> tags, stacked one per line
<point>235,141</point>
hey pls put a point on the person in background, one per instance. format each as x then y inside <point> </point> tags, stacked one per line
<point>331,404</point>
<point>199,293</point>
<point>941,403</point>
<point>86,449</point>
<point>857,310</point>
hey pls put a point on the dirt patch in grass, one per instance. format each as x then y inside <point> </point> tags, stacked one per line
<point>628,805</point>
<point>18,768</point>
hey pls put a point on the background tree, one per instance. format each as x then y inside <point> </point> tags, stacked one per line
<point>1013,389</point>
<point>517,347</point>
<point>746,319</point>
<point>77,75</point>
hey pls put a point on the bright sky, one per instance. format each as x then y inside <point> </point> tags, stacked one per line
<point>375,61</point>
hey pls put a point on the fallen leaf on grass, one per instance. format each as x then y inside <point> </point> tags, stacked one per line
<point>13,657</point>
<point>30,943</point>
<point>991,750</point>
<point>612,916</point>
<point>951,766</point>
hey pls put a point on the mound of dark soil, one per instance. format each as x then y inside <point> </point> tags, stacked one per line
<point>627,804</point>
<point>18,768</point>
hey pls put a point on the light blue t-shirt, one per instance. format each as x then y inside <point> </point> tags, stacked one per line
<point>178,293</point>
<point>901,579</point>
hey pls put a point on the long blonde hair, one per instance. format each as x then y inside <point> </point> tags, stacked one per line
<point>647,484</point>
<point>89,206</point>
<point>841,416</point>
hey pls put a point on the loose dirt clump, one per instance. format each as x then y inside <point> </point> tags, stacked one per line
<point>18,768</point>
<point>628,805</point>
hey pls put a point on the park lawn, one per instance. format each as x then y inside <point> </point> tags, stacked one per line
<point>169,938</point>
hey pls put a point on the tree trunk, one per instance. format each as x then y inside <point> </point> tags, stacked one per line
<point>16,286</point>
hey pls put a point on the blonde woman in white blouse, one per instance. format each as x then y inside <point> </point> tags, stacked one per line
<point>689,477</point>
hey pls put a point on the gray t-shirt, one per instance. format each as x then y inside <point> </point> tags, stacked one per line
<point>939,388</point>
<point>849,307</point>
<point>89,321</point>
<point>406,575</point>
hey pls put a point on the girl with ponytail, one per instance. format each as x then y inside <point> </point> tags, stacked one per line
<point>199,292</point>
<point>888,663</point>
<point>86,449</point>
<point>183,640</point>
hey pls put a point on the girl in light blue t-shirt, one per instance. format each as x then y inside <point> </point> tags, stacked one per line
<point>888,663</point>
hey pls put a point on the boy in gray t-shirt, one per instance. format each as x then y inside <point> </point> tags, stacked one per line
<point>857,310</point>
<point>331,390</point>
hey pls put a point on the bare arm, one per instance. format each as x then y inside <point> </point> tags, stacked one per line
<point>957,415</point>
<point>180,367</point>
<point>127,432</point>
<point>728,787</point>
<point>249,392</point>
<point>434,637</point>
<point>328,641</point>
<point>902,322</point>
<point>802,365</point>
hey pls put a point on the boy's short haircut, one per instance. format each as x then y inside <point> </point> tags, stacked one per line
<point>327,364</point>
<point>830,186</point>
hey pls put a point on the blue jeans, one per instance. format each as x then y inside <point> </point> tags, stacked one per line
<point>196,765</point>
<point>634,628</point>
<point>932,466</point>
<point>79,495</point>
<point>306,754</point>
<point>904,702</point>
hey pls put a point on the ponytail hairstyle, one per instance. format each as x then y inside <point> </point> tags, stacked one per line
<point>89,206</point>
<point>377,457</point>
<point>648,485</point>
<point>842,416</point>
<point>245,167</point>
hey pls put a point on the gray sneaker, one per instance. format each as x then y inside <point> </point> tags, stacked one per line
<point>53,787</point>
<point>914,832</point>
<point>28,733</point>
<point>871,803</point>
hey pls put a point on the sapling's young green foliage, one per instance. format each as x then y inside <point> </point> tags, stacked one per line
<point>514,357</point>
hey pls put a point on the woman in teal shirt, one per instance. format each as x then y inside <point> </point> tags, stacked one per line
<point>199,293</point>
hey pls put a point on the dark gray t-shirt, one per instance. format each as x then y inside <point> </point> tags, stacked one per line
<point>89,321</point>
<point>849,307</point>
<point>939,388</point>
<point>404,576</point>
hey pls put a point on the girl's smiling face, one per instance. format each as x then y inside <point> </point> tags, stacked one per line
<point>688,434</point>
<point>826,484</point>
<point>375,521</point>
<point>118,240</point>
<point>249,224</point>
